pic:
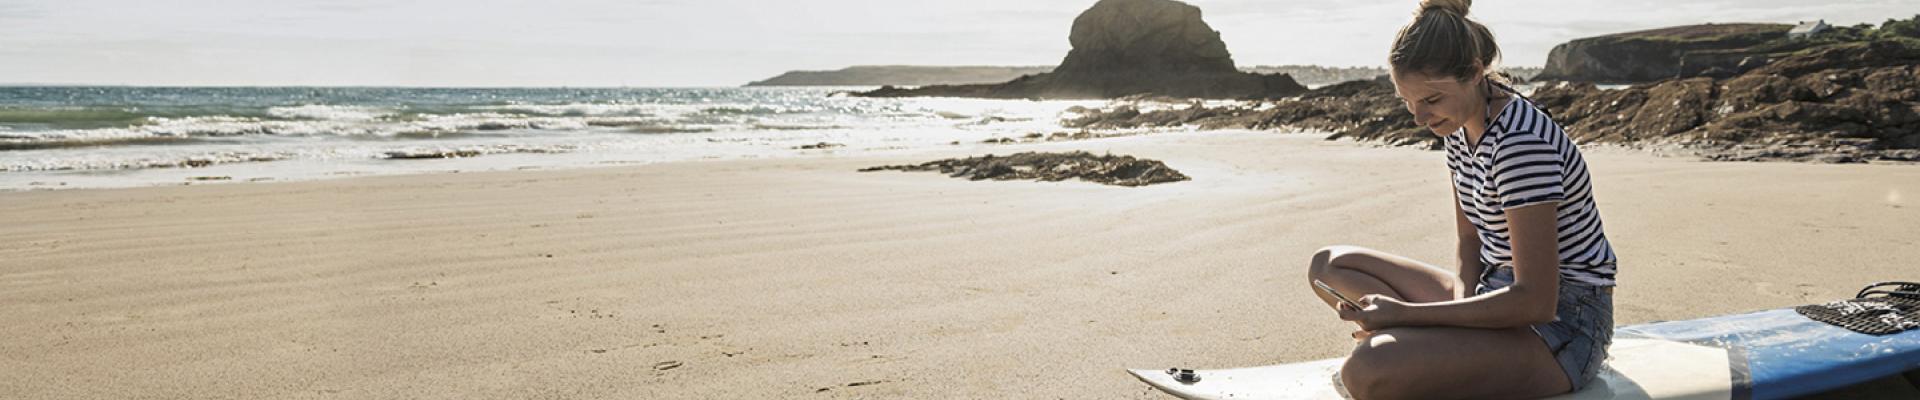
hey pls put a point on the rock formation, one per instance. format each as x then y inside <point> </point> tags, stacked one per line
<point>1852,102</point>
<point>1131,47</point>
<point>1846,103</point>
<point>1850,96</point>
<point>1664,53</point>
<point>1050,167</point>
<point>819,146</point>
<point>1363,110</point>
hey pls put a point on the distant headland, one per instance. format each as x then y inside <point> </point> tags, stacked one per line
<point>902,75</point>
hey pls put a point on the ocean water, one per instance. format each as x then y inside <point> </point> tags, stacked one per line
<point>74,137</point>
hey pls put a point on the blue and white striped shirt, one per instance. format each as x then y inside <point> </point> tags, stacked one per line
<point>1525,159</point>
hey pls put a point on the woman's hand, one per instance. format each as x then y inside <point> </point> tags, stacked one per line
<point>1377,312</point>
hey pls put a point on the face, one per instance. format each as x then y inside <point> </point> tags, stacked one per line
<point>1441,104</point>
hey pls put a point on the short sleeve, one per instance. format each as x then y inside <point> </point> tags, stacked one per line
<point>1527,170</point>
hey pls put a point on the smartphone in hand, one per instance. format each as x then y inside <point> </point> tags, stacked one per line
<point>1336,294</point>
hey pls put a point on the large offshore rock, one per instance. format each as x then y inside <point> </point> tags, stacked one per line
<point>1131,47</point>
<point>1164,36</point>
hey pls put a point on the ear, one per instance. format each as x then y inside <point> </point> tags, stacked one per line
<point>1474,75</point>
<point>1480,83</point>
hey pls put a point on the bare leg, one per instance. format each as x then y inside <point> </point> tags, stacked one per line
<point>1453,363</point>
<point>1357,271</point>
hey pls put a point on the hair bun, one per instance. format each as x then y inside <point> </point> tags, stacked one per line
<point>1456,6</point>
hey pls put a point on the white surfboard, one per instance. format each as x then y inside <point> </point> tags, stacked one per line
<point>1638,369</point>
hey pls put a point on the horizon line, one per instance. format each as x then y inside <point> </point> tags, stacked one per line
<point>337,86</point>
<point>588,86</point>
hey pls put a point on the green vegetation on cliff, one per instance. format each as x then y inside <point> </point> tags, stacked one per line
<point>1712,50</point>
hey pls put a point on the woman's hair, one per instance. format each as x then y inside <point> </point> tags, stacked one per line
<point>1441,41</point>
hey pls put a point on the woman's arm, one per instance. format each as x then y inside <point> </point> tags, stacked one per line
<point>1468,250</point>
<point>1531,299</point>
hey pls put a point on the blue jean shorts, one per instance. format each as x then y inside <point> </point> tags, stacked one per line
<point>1582,326</point>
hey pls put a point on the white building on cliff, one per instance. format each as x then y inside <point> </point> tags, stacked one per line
<point>1807,29</point>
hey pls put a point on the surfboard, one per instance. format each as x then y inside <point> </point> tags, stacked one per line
<point>1773,354</point>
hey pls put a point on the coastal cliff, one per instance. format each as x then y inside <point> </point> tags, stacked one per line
<point>1655,54</point>
<point>1853,102</point>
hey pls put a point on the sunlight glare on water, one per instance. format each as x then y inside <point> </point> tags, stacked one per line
<point>65,137</point>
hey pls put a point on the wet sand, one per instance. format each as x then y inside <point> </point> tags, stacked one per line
<point>801,278</point>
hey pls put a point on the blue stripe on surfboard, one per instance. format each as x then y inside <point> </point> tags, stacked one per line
<point>1789,355</point>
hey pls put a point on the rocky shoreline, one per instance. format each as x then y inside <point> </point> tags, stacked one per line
<point>1731,92</point>
<point>1851,103</point>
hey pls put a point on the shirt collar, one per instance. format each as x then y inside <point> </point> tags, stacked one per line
<point>1505,119</point>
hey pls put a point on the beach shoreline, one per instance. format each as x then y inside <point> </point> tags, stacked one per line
<point>800,277</point>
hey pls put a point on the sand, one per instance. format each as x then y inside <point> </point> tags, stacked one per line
<point>801,278</point>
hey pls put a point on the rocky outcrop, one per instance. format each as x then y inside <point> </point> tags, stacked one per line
<point>1361,110</point>
<point>1131,47</point>
<point>1852,102</point>
<point>1877,53</point>
<point>1318,75</point>
<point>1145,36</point>
<point>1651,55</point>
<point>819,146</point>
<point>906,75</point>
<point>1051,167</point>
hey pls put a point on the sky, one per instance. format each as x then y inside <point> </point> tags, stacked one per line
<point>731,42</point>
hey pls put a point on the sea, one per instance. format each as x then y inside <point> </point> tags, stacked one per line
<point>65,137</point>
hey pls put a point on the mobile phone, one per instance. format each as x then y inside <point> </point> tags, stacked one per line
<point>1329,289</point>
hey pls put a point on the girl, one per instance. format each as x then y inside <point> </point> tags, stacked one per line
<point>1529,312</point>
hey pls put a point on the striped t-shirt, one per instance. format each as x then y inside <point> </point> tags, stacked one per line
<point>1525,159</point>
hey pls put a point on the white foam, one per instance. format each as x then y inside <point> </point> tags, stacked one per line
<point>110,162</point>
<point>227,126</point>
<point>330,112</point>
<point>582,109</point>
<point>318,140</point>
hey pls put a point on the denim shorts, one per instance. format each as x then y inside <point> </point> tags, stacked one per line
<point>1582,326</point>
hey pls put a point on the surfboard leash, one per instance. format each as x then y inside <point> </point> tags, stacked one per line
<point>1878,309</point>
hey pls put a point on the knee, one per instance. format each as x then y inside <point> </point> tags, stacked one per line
<point>1368,374</point>
<point>1325,258</point>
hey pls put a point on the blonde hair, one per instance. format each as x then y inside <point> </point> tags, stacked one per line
<point>1441,41</point>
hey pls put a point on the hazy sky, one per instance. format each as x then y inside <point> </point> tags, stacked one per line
<point>730,42</point>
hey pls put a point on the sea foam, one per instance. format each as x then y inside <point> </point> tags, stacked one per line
<point>325,130</point>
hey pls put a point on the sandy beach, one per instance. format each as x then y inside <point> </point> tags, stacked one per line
<point>801,278</point>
